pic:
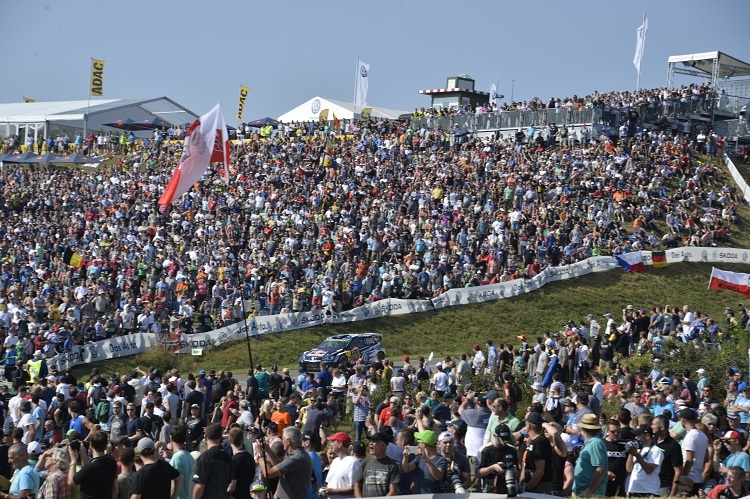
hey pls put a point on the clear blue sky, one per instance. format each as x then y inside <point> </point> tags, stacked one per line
<point>199,52</point>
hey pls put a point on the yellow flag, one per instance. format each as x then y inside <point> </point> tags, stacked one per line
<point>243,95</point>
<point>97,78</point>
<point>29,99</point>
<point>364,115</point>
<point>323,116</point>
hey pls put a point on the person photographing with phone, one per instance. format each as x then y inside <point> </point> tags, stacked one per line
<point>97,476</point>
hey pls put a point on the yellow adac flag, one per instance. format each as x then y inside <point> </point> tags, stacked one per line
<point>241,108</point>
<point>97,78</point>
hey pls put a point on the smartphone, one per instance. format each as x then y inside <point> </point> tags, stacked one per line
<point>412,449</point>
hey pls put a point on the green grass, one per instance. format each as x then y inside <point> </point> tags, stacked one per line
<point>743,168</point>
<point>455,329</point>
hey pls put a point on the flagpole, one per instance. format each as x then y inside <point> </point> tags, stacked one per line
<point>638,81</point>
<point>356,85</point>
<point>512,89</point>
<point>88,102</point>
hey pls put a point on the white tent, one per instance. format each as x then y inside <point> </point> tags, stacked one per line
<point>46,117</point>
<point>310,111</point>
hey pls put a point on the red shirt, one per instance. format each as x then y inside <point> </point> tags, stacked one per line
<point>228,417</point>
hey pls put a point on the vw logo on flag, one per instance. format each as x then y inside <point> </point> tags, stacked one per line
<point>316,104</point>
<point>362,71</point>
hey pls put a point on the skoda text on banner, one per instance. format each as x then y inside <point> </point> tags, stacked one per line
<point>97,78</point>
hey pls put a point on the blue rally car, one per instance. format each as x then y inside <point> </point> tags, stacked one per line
<point>363,348</point>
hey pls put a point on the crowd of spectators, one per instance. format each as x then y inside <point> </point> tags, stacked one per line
<point>310,219</point>
<point>670,101</point>
<point>465,422</point>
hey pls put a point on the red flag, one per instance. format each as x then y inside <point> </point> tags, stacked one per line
<point>206,141</point>
<point>336,122</point>
<point>734,281</point>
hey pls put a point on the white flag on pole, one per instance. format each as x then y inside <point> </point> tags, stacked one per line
<point>640,44</point>
<point>363,70</point>
<point>493,93</point>
<point>207,141</point>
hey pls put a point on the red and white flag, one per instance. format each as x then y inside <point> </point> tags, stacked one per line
<point>733,281</point>
<point>206,141</point>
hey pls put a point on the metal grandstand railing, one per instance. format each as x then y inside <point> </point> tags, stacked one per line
<point>510,119</point>
<point>704,107</point>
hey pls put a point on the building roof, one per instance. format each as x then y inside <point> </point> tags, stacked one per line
<point>100,111</point>
<point>729,67</point>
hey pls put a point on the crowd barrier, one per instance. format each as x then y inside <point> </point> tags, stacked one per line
<point>738,178</point>
<point>185,343</point>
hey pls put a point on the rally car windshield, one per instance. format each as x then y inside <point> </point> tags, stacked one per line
<point>332,344</point>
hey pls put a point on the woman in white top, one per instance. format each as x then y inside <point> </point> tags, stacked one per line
<point>644,464</point>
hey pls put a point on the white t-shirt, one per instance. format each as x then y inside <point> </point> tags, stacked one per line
<point>341,474</point>
<point>26,420</point>
<point>598,390</point>
<point>687,322</point>
<point>441,381</point>
<point>696,441</point>
<point>642,482</point>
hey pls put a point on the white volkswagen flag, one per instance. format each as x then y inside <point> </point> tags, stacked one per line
<point>493,94</point>
<point>640,44</point>
<point>360,95</point>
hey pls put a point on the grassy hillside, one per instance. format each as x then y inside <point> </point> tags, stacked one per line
<point>455,329</point>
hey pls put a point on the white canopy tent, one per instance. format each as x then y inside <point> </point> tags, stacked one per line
<point>310,111</point>
<point>50,117</point>
<point>710,65</point>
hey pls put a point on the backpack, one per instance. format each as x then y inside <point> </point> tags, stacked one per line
<point>96,397</point>
<point>156,424</point>
<point>101,412</point>
<point>516,394</point>
<point>216,393</point>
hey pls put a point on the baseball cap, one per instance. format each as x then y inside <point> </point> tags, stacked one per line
<point>195,406</point>
<point>502,431</point>
<point>491,395</point>
<point>145,444</point>
<point>202,372</point>
<point>732,415</point>
<point>358,448</point>
<point>384,434</point>
<point>458,424</point>
<point>34,448</point>
<point>644,428</point>
<point>534,418</point>
<point>446,435</point>
<point>342,437</point>
<point>701,371</point>
<point>427,437</point>
<point>732,435</point>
